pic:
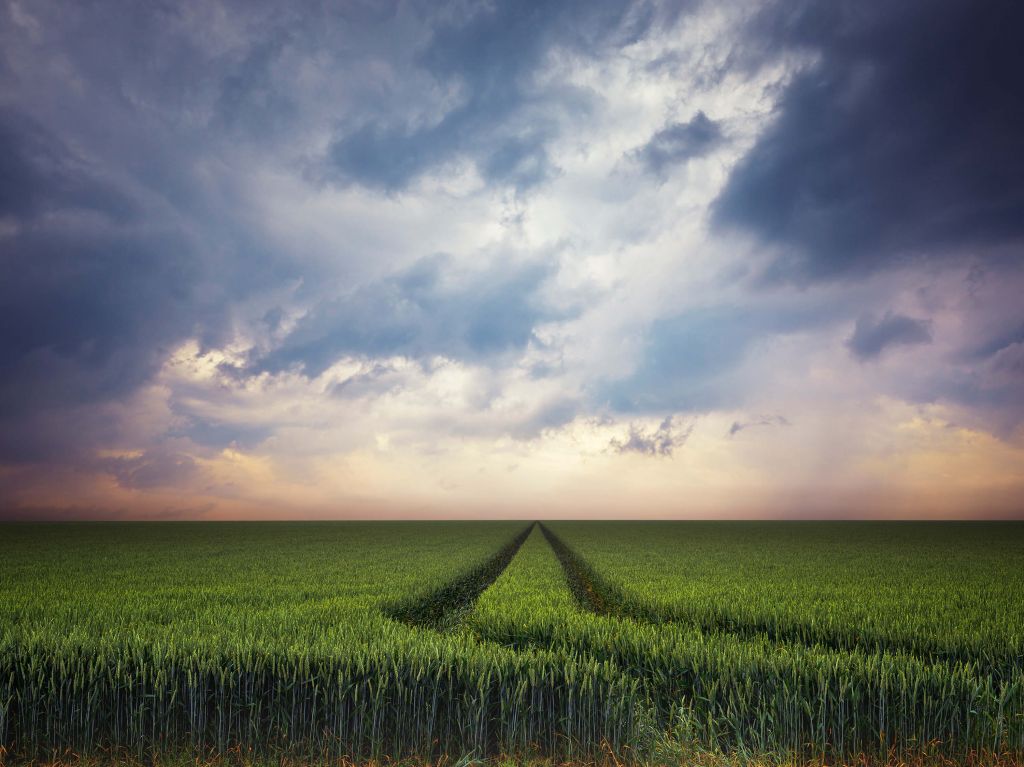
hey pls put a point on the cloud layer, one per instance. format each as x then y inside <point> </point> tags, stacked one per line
<point>397,259</point>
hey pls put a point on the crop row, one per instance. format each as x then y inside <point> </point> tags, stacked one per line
<point>404,696</point>
<point>442,641</point>
<point>315,678</point>
<point>940,592</point>
<point>444,607</point>
<point>732,693</point>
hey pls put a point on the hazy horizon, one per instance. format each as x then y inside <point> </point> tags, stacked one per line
<point>540,260</point>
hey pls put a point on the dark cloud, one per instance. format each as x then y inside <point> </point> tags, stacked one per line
<point>123,229</point>
<point>39,175</point>
<point>905,141</point>
<point>154,468</point>
<point>872,335</point>
<point>659,442</point>
<point>504,118</point>
<point>985,347</point>
<point>108,303</point>
<point>380,379</point>
<point>761,420</point>
<point>389,158</point>
<point>116,243</point>
<point>93,295</point>
<point>209,432</point>
<point>522,162</point>
<point>1009,361</point>
<point>423,311</point>
<point>101,284</point>
<point>680,142</point>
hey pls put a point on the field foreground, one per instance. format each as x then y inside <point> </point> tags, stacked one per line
<point>446,643</point>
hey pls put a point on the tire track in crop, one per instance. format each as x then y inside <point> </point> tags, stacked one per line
<point>591,591</point>
<point>714,686</point>
<point>597,595</point>
<point>443,608</point>
<point>601,597</point>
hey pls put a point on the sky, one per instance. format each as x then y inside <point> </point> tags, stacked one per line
<point>576,258</point>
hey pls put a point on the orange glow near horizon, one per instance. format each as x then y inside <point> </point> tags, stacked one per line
<point>929,470</point>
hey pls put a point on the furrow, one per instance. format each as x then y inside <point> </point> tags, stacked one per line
<point>597,595</point>
<point>442,609</point>
<point>592,592</point>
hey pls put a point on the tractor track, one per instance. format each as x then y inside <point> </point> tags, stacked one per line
<point>595,594</point>
<point>443,608</point>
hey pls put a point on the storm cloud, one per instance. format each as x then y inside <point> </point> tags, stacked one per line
<point>422,312</point>
<point>503,117</point>
<point>680,142</point>
<point>873,335</point>
<point>900,143</point>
